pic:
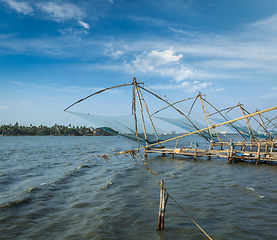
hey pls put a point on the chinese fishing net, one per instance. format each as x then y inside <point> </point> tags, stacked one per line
<point>124,126</point>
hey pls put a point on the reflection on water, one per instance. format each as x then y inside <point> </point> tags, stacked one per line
<point>51,190</point>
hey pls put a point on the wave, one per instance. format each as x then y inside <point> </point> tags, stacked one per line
<point>44,188</point>
<point>256,193</point>
<point>173,174</point>
<point>16,203</point>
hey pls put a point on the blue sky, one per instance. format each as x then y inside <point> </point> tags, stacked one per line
<point>54,53</point>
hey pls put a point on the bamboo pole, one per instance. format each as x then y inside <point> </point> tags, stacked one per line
<point>170,105</point>
<point>163,202</point>
<point>270,122</point>
<point>258,153</point>
<point>217,111</point>
<point>195,156</point>
<point>149,116</point>
<point>205,115</point>
<point>192,105</point>
<point>263,125</point>
<point>247,123</point>
<point>176,143</point>
<point>256,121</point>
<point>198,130</point>
<point>103,90</point>
<point>228,159</point>
<point>134,109</point>
<point>231,151</point>
<point>205,110</point>
<point>142,117</point>
<point>191,133</point>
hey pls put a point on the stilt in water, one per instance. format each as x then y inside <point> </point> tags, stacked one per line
<point>163,202</point>
<point>195,155</point>
<point>258,153</point>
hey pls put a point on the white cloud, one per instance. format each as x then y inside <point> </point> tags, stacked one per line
<point>165,87</point>
<point>148,21</point>
<point>67,30</point>
<point>25,103</point>
<point>154,59</point>
<point>270,95</point>
<point>76,89</point>
<point>117,54</point>
<point>15,82</point>
<point>182,31</point>
<point>106,67</point>
<point>83,24</point>
<point>112,51</point>
<point>20,7</point>
<point>5,36</point>
<point>236,64</point>
<point>4,108</point>
<point>269,23</point>
<point>185,86</point>
<point>184,73</point>
<point>62,12</point>
<point>164,63</point>
<point>217,89</point>
<point>197,86</point>
<point>72,31</point>
<point>58,13</point>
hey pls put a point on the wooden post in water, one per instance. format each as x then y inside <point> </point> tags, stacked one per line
<point>272,146</point>
<point>258,153</point>
<point>163,201</point>
<point>195,156</point>
<point>228,159</point>
<point>232,148</point>
<point>230,154</point>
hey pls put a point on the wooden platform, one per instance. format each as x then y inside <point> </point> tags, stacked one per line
<point>259,151</point>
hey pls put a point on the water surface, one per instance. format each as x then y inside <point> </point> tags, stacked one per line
<point>52,190</point>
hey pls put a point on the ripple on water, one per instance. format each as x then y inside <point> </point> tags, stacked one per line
<point>71,196</point>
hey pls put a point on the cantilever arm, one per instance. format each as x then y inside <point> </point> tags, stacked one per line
<point>157,96</point>
<point>171,105</point>
<point>103,90</point>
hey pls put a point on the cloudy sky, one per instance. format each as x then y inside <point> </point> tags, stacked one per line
<point>54,53</point>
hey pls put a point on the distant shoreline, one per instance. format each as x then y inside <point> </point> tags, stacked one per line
<point>55,130</point>
<point>56,135</point>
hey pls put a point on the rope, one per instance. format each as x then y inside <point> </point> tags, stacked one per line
<point>133,153</point>
<point>188,134</point>
<point>174,199</point>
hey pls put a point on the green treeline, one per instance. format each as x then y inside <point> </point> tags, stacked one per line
<point>56,130</point>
